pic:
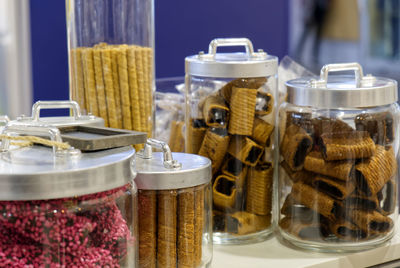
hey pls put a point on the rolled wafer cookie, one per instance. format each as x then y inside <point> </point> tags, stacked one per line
<point>215,111</point>
<point>295,176</point>
<point>373,173</point>
<point>100,87</point>
<point>90,81</point>
<point>78,79</point>
<point>117,90</point>
<point>347,145</point>
<point>106,59</point>
<point>242,222</point>
<point>264,103</point>
<point>378,125</point>
<point>245,150</point>
<point>261,131</point>
<point>197,130</point>
<point>234,168</point>
<point>315,200</point>
<point>147,201</point>
<point>176,138</point>
<point>124,87</point>
<point>305,230</point>
<point>296,144</point>
<point>141,73</point>
<point>371,222</point>
<point>335,188</point>
<point>259,189</point>
<point>253,83</point>
<point>347,230</point>
<point>342,170</point>
<point>167,228</point>
<point>186,228</point>
<point>242,109</point>
<point>199,223</point>
<point>322,125</point>
<point>224,192</point>
<point>136,100</point>
<point>214,146</point>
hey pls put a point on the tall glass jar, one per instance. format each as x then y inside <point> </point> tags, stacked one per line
<point>229,118</point>
<point>64,208</point>
<point>174,208</point>
<point>111,60</point>
<point>338,174</point>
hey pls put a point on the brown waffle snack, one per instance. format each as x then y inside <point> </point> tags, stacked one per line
<point>335,188</point>
<point>293,209</point>
<point>347,230</point>
<point>373,173</point>
<point>265,103</point>
<point>301,119</point>
<point>198,223</point>
<point>147,201</point>
<point>245,150</point>
<point>322,125</point>
<point>233,168</point>
<point>214,146</point>
<point>315,200</point>
<point>261,131</point>
<point>197,130</point>
<point>215,111</point>
<point>176,140</point>
<point>296,144</point>
<point>378,125</point>
<point>371,222</point>
<point>167,228</point>
<point>357,201</point>
<point>259,189</point>
<point>242,109</point>
<point>342,170</point>
<point>186,228</point>
<point>252,83</point>
<point>242,222</point>
<point>347,145</point>
<point>295,176</point>
<point>313,230</point>
<point>388,203</point>
<point>224,192</point>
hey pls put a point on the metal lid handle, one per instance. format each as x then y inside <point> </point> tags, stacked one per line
<point>337,67</point>
<point>55,105</point>
<point>168,161</point>
<point>230,42</point>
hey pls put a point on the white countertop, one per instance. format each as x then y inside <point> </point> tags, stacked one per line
<point>272,253</point>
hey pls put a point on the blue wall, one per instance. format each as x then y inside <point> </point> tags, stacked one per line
<point>182,28</point>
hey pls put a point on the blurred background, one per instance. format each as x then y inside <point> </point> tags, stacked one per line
<point>33,38</point>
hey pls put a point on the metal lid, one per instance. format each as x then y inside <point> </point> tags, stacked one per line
<point>77,119</point>
<point>37,172</point>
<point>158,171</point>
<point>231,65</point>
<point>342,91</point>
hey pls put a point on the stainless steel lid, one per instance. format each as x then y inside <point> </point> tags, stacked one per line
<point>37,172</point>
<point>77,119</point>
<point>231,65</point>
<point>166,170</point>
<point>342,91</point>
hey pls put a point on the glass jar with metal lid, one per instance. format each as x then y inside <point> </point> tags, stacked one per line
<point>230,119</point>
<point>338,145</point>
<point>174,208</point>
<point>63,207</point>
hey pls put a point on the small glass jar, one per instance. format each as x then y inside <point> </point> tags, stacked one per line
<point>338,142</point>
<point>111,60</point>
<point>175,224</point>
<point>64,208</point>
<point>230,119</point>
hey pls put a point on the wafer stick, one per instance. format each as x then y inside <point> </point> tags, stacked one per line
<point>252,83</point>
<point>323,125</point>
<point>224,192</point>
<point>147,228</point>
<point>90,82</point>
<point>176,139</point>
<point>109,85</point>
<point>295,146</point>
<point>78,81</point>
<point>246,150</point>
<point>197,130</point>
<point>261,131</point>
<point>372,222</point>
<point>199,223</point>
<point>343,170</point>
<point>215,112</point>
<point>141,84</point>
<point>117,90</point>
<point>259,189</point>
<point>167,228</point>
<point>186,228</point>
<point>242,110</point>
<point>133,75</point>
<point>243,222</point>
<point>124,87</point>
<point>100,88</point>
<point>347,145</point>
<point>149,94</point>
<point>335,188</point>
<point>375,172</point>
<point>147,63</point>
<point>347,230</point>
<point>214,146</point>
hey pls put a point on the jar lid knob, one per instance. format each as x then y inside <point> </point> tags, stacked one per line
<point>168,161</point>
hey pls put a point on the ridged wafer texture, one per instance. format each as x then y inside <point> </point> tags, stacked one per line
<point>106,58</point>
<point>90,81</point>
<point>314,230</point>
<point>342,170</point>
<point>300,175</point>
<point>141,87</point>
<point>347,230</point>
<point>378,125</point>
<point>252,83</point>
<point>372,222</point>
<point>176,139</point>
<point>224,192</point>
<point>215,111</point>
<point>77,77</point>
<point>245,150</point>
<point>148,67</point>
<point>117,90</point>
<point>322,125</point>
<point>335,188</point>
<point>214,146</point>
<point>261,131</point>
<point>347,145</point>
<point>373,173</point>
<point>242,109</point>
<point>388,192</point>
<point>259,189</point>
<point>242,222</point>
<point>147,201</point>
<point>100,87</point>
<point>264,103</point>
<point>199,223</point>
<point>135,74</point>
<point>124,87</point>
<point>296,144</point>
<point>186,228</point>
<point>167,228</point>
<point>197,130</point>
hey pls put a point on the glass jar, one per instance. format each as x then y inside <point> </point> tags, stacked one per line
<point>111,60</point>
<point>64,208</point>
<point>174,208</point>
<point>338,142</point>
<point>230,119</point>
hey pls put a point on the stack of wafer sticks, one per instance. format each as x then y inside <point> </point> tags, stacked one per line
<point>114,82</point>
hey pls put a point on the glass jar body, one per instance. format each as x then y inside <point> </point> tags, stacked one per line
<point>337,176</point>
